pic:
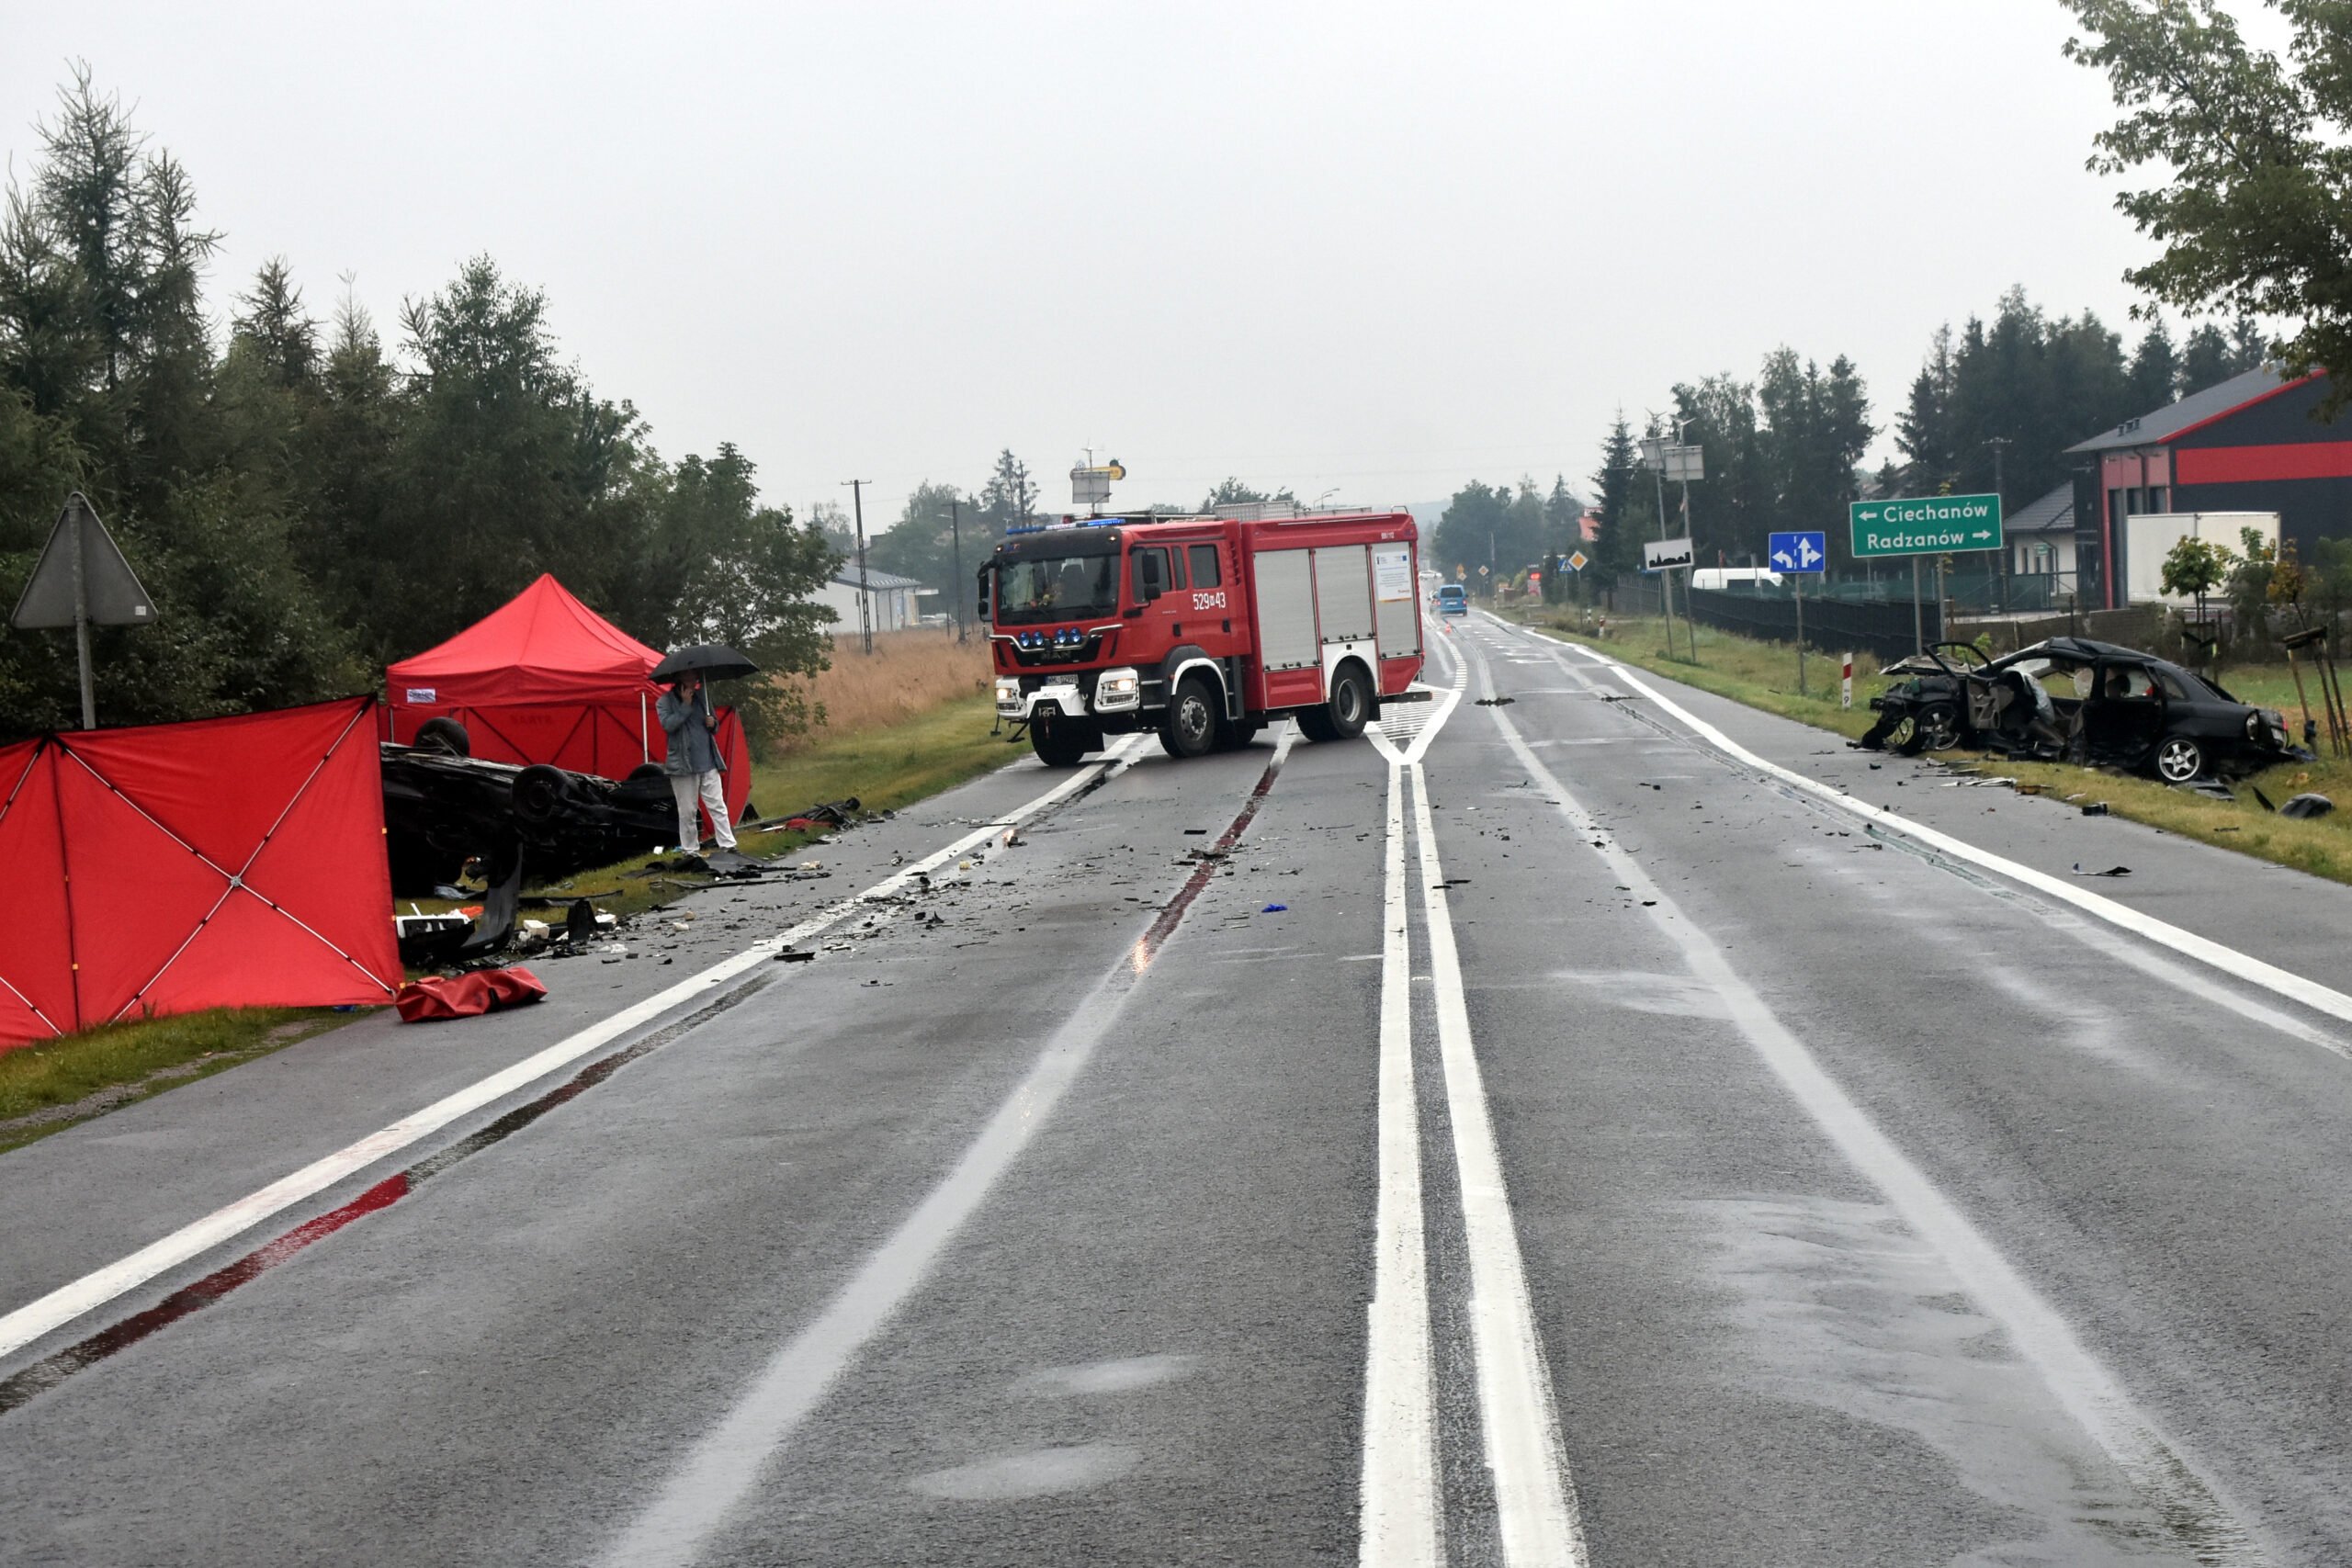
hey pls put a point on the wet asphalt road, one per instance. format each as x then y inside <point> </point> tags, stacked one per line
<point>1852,1206</point>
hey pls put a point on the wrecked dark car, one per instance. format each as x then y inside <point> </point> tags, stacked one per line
<point>443,808</point>
<point>2073,700</point>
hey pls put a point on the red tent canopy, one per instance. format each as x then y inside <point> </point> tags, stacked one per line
<point>544,679</point>
<point>227,863</point>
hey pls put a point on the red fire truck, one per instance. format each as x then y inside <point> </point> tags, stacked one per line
<point>1202,628</point>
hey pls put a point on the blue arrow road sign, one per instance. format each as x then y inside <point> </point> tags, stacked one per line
<point>1797,552</point>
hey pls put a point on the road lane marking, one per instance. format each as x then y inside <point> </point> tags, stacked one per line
<point>1536,1507</point>
<point>1398,1520</point>
<point>2229,960</point>
<point>2080,1382</point>
<point>724,1466</point>
<point>94,1290</point>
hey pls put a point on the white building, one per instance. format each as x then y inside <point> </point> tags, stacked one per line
<point>891,599</point>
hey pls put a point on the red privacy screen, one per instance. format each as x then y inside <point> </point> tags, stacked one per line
<point>227,863</point>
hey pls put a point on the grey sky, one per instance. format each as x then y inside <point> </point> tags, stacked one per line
<point>1387,248</point>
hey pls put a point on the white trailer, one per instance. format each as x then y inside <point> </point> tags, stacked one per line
<point>2150,537</point>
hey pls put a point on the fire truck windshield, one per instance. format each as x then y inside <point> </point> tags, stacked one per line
<point>1056,588</point>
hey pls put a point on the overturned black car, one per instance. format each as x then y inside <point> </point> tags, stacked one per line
<point>443,808</point>
<point>2073,700</point>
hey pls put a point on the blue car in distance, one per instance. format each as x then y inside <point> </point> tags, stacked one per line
<point>1452,600</point>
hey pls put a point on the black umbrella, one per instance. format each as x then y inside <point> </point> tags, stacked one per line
<point>711,661</point>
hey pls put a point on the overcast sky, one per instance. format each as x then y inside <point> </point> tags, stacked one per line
<point>1383,248</point>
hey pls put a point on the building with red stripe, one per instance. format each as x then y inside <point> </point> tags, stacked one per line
<point>2249,444</point>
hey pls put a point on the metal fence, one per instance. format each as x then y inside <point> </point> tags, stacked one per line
<point>1833,625</point>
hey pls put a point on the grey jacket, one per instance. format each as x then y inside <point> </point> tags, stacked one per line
<point>693,747</point>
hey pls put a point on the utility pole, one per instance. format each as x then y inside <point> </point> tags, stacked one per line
<point>955,543</point>
<point>1998,443</point>
<point>1666,574</point>
<point>864,595</point>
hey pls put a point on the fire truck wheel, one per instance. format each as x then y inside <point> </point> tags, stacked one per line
<point>1190,726</point>
<point>1236,734</point>
<point>1063,745</point>
<point>1344,717</point>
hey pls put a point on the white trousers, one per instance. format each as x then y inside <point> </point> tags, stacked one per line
<point>684,788</point>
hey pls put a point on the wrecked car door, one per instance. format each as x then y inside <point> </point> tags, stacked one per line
<point>2124,716</point>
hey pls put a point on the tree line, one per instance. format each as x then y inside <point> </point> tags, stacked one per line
<point>305,502</point>
<point>1993,408</point>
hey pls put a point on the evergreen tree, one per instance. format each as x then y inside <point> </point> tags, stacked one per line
<point>1923,431</point>
<point>1618,549</point>
<point>2155,369</point>
<point>1010,496</point>
<point>2206,359</point>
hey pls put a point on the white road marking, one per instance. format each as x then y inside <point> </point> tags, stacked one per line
<point>1399,1518</point>
<point>1535,1502</point>
<point>63,1305</point>
<point>722,1469</point>
<point>2229,960</point>
<point>2077,1379</point>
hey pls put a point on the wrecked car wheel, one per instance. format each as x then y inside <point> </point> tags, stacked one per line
<point>2179,760</point>
<point>444,735</point>
<point>1938,726</point>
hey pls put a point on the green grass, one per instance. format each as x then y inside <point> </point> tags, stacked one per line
<point>889,767</point>
<point>886,768</point>
<point>1763,675</point>
<point>123,1063</point>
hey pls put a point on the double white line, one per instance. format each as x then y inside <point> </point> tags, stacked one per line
<point>1402,1522</point>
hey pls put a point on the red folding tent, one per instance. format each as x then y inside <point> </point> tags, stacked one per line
<point>226,862</point>
<point>544,679</point>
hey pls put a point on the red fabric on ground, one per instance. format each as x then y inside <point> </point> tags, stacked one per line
<point>227,863</point>
<point>545,679</point>
<point>462,996</point>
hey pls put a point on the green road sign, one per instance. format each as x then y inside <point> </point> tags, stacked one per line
<point>1926,525</point>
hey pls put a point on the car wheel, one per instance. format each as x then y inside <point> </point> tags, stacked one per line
<point>444,735</point>
<point>1190,726</point>
<point>1940,726</point>
<point>2179,760</point>
<point>1903,736</point>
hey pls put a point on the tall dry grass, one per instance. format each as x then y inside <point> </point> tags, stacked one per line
<point>908,674</point>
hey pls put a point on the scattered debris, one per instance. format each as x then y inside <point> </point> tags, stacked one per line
<point>1496,702</point>
<point>2110,871</point>
<point>1275,909</point>
<point>794,955</point>
<point>2095,809</point>
<point>2307,804</point>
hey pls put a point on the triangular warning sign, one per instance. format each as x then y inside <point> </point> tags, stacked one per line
<point>108,586</point>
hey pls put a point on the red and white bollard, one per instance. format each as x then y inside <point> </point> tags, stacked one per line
<point>1846,683</point>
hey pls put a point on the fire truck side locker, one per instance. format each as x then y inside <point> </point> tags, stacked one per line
<point>1289,651</point>
<point>1343,612</point>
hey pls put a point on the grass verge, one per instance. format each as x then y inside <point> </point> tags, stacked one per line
<point>1763,675</point>
<point>47,1088</point>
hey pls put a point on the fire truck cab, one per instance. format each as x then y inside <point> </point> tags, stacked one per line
<point>1202,628</point>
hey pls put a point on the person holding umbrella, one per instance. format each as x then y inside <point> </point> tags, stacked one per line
<point>694,764</point>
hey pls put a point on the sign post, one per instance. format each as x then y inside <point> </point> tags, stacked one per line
<point>1799,556</point>
<point>1662,556</point>
<point>80,580</point>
